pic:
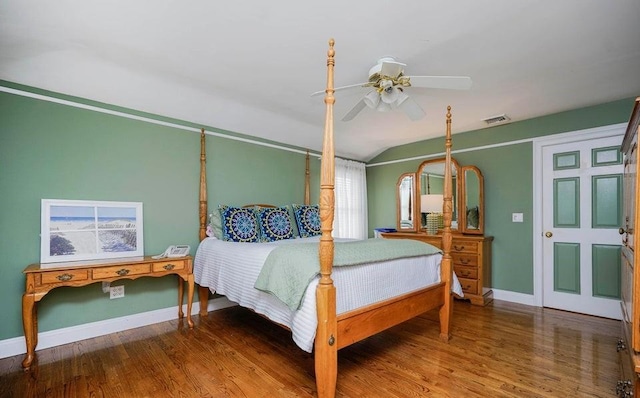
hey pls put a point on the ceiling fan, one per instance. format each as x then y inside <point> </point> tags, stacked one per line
<point>388,84</point>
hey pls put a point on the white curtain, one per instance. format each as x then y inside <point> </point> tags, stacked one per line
<point>351,200</point>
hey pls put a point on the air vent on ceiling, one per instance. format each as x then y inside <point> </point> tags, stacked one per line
<point>497,119</point>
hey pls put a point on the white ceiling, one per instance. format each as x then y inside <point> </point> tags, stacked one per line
<point>250,66</point>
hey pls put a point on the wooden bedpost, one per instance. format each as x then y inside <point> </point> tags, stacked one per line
<point>446,269</point>
<point>307,194</point>
<point>203,292</point>
<point>326,345</point>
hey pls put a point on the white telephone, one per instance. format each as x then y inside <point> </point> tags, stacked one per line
<point>174,251</point>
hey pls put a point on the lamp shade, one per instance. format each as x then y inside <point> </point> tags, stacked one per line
<point>431,203</point>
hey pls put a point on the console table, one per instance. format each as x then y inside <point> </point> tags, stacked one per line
<point>42,278</point>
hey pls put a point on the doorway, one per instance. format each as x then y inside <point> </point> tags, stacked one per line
<point>577,213</point>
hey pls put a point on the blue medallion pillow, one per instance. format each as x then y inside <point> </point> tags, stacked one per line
<point>307,219</point>
<point>239,224</point>
<point>275,224</point>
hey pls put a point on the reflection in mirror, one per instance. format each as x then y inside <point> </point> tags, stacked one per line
<point>405,198</point>
<point>472,186</point>
<point>431,192</point>
<point>473,200</point>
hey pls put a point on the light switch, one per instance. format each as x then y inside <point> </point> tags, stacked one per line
<point>517,217</point>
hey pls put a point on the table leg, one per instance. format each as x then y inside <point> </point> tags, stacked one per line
<point>180,296</point>
<point>190,289</point>
<point>29,323</point>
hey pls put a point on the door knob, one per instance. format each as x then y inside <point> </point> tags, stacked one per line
<point>621,231</point>
<point>548,234</point>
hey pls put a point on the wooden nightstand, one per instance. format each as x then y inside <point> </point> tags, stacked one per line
<point>41,279</point>
<point>471,256</point>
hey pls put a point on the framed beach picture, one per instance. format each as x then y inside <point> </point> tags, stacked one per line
<point>90,230</point>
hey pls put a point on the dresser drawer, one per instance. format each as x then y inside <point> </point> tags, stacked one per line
<point>64,276</point>
<point>466,272</point>
<point>119,271</point>
<point>464,247</point>
<point>165,266</point>
<point>469,286</point>
<point>467,260</point>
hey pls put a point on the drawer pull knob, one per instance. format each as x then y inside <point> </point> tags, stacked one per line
<point>458,248</point>
<point>65,277</point>
<point>465,273</point>
<point>169,267</point>
<point>122,272</point>
<point>620,346</point>
<point>464,260</point>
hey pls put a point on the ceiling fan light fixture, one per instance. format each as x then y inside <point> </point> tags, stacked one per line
<point>372,99</point>
<point>402,97</point>
<point>389,95</point>
<point>383,107</point>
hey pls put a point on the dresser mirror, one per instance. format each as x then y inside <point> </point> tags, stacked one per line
<point>430,190</point>
<point>405,198</point>
<point>419,198</point>
<point>472,219</point>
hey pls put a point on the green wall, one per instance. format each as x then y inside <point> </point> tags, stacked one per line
<point>55,151</point>
<point>508,181</point>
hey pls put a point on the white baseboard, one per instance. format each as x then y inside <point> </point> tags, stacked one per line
<point>514,297</point>
<point>52,338</point>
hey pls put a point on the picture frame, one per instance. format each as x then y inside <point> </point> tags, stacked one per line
<point>74,230</point>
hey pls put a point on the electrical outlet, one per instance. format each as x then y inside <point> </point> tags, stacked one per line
<point>116,292</point>
<point>517,217</point>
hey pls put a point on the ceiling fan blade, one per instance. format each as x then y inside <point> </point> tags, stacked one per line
<point>341,88</point>
<point>391,68</point>
<point>446,82</point>
<point>354,111</point>
<point>412,109</point>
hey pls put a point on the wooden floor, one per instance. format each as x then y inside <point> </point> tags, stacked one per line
<point>502,350</point>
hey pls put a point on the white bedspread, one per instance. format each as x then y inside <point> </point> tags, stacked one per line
<point>231,269</point>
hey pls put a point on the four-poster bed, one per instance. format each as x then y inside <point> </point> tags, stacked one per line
<point>335,330</point>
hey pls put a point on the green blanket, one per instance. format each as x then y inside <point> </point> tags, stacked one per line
<point>289,269</point>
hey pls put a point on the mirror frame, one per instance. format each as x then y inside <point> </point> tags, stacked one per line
<point>462,223</point>
<point>413,200</point>
<point>457,191</point>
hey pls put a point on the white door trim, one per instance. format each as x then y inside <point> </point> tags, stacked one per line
<point>538,144</point>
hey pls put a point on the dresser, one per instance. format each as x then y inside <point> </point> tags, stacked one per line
<point>471,255</point>
<point>629,344</point>
<point>42,278</point>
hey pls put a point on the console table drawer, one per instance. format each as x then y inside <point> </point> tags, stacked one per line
<point>120,271</point>
<point>168,266</point>
<point>64,276</point>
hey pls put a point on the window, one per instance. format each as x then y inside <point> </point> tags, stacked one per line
<point>351,200</point>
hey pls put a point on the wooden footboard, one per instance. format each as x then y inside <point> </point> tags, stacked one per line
<point>359,324</point>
